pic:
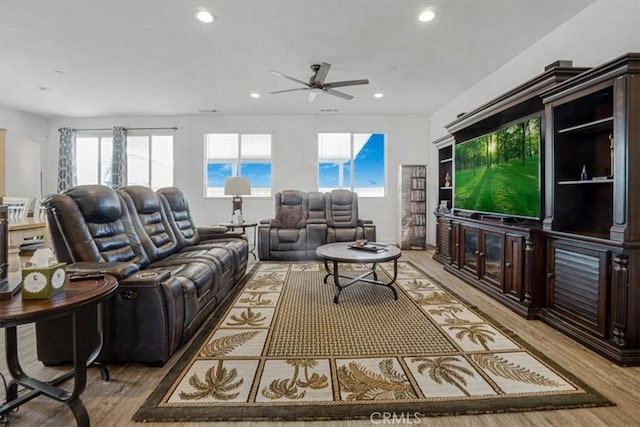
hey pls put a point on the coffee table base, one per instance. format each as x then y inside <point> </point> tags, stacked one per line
<point>362,278</point>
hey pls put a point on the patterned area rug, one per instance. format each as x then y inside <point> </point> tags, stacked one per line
<point>283,350</point>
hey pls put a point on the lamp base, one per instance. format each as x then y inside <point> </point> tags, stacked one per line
<point>236,204</point>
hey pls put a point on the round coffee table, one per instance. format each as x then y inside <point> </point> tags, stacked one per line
<point>347,252</point>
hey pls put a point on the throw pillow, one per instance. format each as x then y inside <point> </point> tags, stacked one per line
<point>290,216</point>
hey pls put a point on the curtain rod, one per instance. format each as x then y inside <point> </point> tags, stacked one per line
<point>105,129</point>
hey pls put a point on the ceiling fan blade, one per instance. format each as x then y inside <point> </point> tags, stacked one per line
<point>347,83</point>
<point>321,75</point>
<point>275,73</point>
<point>338,94</point>
<point>288,90</point>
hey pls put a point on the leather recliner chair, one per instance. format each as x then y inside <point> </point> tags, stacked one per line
<point>343,221</point>
<point>285,236</point>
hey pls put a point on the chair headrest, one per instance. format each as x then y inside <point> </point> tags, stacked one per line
<point>98,203</point>
<point>144,199</point>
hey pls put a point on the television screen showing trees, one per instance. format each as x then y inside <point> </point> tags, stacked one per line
<point>500,172</point>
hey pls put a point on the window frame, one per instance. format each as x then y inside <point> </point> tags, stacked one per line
<point>108,135</point>
<point>236,163</point>
<point>99,136</point>
<point>352,169</point>
<point>150,136</point>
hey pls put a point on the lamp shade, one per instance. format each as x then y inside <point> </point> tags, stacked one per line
<point>237,186</point>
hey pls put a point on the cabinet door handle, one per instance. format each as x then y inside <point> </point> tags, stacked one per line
<point>550,276</point>
<point>508,265</point>
<point>477,253</point>
<point>480,254</point>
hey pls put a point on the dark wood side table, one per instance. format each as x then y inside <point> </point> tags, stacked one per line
<point>15,312</point>
<point>231,226</point>
<point>346,253</point>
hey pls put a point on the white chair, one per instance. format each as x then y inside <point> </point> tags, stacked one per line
<point>18,213</point>
<point>16,208</point>
<point>39,211</point>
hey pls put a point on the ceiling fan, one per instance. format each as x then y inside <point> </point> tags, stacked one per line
<point>317,85</point>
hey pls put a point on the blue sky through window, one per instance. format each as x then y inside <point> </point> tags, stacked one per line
<point>368,166</point>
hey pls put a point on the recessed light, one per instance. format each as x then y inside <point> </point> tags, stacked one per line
<point>204,15</point>
<point>255,95</point>
<point>378,95</point>
<point>44,89</point>
<point>427,15</point>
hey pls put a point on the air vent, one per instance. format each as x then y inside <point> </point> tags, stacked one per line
<point>208,111</point>
<point>328,110</point>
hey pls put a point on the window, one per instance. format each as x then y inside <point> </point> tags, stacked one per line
<point>355,161</point>
<point>150,160</point>
<point>93,159</point>
<point>232,154</point>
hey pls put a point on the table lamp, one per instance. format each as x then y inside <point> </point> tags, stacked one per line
<point>237,186</point>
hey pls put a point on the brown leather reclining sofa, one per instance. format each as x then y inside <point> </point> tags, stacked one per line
<point>305,220</point>
<point>172,275</point>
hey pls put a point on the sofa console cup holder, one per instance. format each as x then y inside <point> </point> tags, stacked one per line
<point>147,275</point>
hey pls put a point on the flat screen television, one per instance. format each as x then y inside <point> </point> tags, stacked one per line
<point>499,172</point>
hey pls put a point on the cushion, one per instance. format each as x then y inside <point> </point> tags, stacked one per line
<point>290,217</point>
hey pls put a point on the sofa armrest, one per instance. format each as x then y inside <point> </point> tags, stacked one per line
<point>119,270</point>
<point>214,232</point>
<point>149,313</point>
<point>316,234</point>
<point>263,239</point>
<point>316,221</point>
<point>369,230</point>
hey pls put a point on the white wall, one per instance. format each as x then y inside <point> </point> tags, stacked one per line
<point>294,155</point>
<point>25,140</point>
<point>603,31</point>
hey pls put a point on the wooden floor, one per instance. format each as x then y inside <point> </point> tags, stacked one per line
<point>113,403</point>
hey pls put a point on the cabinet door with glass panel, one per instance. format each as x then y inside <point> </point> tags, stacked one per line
<point>482,253</point>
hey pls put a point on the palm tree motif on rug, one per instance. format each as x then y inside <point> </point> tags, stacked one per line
<point>305,267</point>
<point>445,369</point>
<point>449,312</point>
<point>247,318</point>
<point>418,285</point>
<point>477,334</point>
<point>256,299</point>
<point>293,388</point>
<point>433,298</point>
<point>502,367</point>
<point>219,382</point>
<point>271,281</point>
<point>362,383</point>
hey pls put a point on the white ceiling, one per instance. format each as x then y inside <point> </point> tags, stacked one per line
<point>90,58</point>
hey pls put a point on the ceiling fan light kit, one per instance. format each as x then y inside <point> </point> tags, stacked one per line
<point>317,85</point>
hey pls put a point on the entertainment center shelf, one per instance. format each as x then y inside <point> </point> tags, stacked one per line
<point>586,182</point>
<point>577,267</point>
<point>595,126</point>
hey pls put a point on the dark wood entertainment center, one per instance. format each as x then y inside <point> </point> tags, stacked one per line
<point>578,267</point>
